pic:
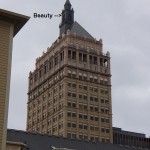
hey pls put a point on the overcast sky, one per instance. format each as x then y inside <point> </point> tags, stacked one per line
<point>124,26</point>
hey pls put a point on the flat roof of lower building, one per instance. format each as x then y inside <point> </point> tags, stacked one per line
<point>36,141</point>
<point>17,19</point>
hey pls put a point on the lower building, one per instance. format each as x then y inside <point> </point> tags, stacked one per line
<point>15,145</point>
<point>131,139</point>
<point>36,141</point>
<point>10,24</point>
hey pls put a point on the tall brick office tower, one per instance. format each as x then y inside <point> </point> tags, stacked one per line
<point>70,89</point>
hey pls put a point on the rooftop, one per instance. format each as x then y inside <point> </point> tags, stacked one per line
<point>35,141</point>
<point>17,19</point>
<point>79,30</point>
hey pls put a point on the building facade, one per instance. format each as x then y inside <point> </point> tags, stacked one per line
<point>10,24</point>
<point>22,140</point>
<point>70,89</point>
<point>131,139</point>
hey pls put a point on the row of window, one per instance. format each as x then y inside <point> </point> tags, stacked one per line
<point>50,111</point>
<point>82,57</point>
<point>84,96</point>
<point>70,104</point>
<point>83,76</point>
<point>41,89</point>
<point>71,135</point>
<point>39,75</point>
<point>85,137</point>
<point>40,118</point>
<point>85,127</point>
<point>81,106</point>
<point>82,87</point>
<point>48,66</point>
<point>74,125</point>
<point>73,85</point>
<point>82,116</point>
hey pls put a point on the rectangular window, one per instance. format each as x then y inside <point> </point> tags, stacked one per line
<point>91,108</point>
<point>80,106</point>
<point>80,126</point>
<point>69,114</point>
<point>95,80</point>
<point>96,109</point>
<point>73,125</point>
<point>107,120</point>
<point>85,137</point>
<point>84,57</point>
<point>85,107</point>
<point>80,116</point>
<point>80,95</point>
<point>95,90</point>
<point>69,135</point>
<point>85,117</point>
<point>80,56</point>
<point>92,138</point>
<point>96,128</point>
<point>69,84</point>
<point>61,56</point>
<point>80,136</point>
<point>85,87</point>
<point>56,60</point>
<point>103,130</point>
<point>85,96</point>
<point>91,98</point>
<point>102,101</point>
<point>92,128</point>
<point>85,127</point>
<point>69,54</point>
<point>95,60</point>
<point>73,136</point>
<point>102,120</point>
<point>73,94</point>
<point>107,140</point>
<point>80,77</point>
<point>74,75</point>
<point>106,101</point>
<point>73,55</point>
<point>73,114</point>
<point>80,86</point>
<point>69,104</point>
<point>96,139</point>
<point>106,91</point>
<point>91,117</point>
<point>84,78</point>
<point>69,93</point>
<point>91,61</point>
<point>74,105</point>
<point>95,99</point>
<point>91,79</point>
<point>107,130</point>
<point>96,119</point>
<point>74,85</point>
<point>68,124</point>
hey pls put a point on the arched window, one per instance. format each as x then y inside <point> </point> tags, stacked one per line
<point>74,74</point>
<point>84,77</point>
<point>80,75</point>
<point>95,78</point>
<point>69,73</point>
